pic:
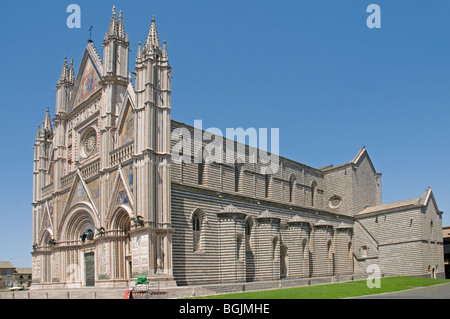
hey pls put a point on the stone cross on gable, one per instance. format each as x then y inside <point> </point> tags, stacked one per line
<point>90,33</point>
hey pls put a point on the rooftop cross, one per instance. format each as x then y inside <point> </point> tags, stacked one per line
<point>90,33</point>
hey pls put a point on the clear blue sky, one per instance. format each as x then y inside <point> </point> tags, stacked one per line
<point>311,68</point>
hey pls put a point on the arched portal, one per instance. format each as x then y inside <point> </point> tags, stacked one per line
<point>121,251</point>
<point>77,222</point>
<point>77,234</point>
<point>46,257</point>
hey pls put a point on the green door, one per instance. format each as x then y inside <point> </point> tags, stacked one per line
<point>89,269</point>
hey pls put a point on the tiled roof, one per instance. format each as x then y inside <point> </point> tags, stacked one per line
<point>414,202</point>
<point>6,264</point>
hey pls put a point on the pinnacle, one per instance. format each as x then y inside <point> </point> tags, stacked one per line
<point>47,124</point>
<point>139,52</point>
<point>38,132</point>
<point>67,73</point>
<point>152,37</point>
<point>71,74</point>
<point>116,27</point>
<point>121,27</point>
<point>63,76</point>
<point>112,25</point>
<point>164,52</point>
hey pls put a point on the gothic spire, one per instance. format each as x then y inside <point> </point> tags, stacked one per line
<point>113,24</point>
<point>152,38</point>
<point>63,76</point>
<point>121,27</point>
<point>139,52</point>
<point>71,73</point>
<point>38,133</point>
<point>47,124</point>
<point>164,51</point>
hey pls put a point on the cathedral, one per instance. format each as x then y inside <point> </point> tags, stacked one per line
<point>110,203</point>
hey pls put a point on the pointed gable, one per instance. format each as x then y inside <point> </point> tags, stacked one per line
<point>89,76</point>
<point>89,83</point>
<point>362,154</point>
<point>121,191</point>
<point>79,194</point>
<point>428,201</point>
<point>357,160</point>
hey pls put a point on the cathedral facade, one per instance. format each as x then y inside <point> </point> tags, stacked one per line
<point>110,203</point>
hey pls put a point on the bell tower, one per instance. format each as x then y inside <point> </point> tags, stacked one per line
<point>114,79</point>
<point>64,92</point>
<point>116,47</point>
<point>152,150</point>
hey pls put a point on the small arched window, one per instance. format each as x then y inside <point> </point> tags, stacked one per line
<point>291,187</point>
<point>201,172</point>
<point>248,234</point>
<point>305,248</point>
<point>274,247</point>
<point>236,178</point>
<point>313,193</point>
<point>329,251</point>
<point>238,246</point>
<point>349,250</point>
<point>267,178</point>
<point>201,167</point>
<point>363,251</point>
<point>237,175</point>
<point>196,229</point>
<point>283,261</point>
<point>196,223</point>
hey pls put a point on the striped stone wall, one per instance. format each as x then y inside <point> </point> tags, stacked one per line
<point>402,241</point>
<point>343,250</point>
<point>298,241</point>
<point>221,176</point>
<point>244,240</point>
<point>302,225</point>
<point>322,262</point>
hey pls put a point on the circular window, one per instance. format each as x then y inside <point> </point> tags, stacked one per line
<point>335,201</point>
<point>89,143</point>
